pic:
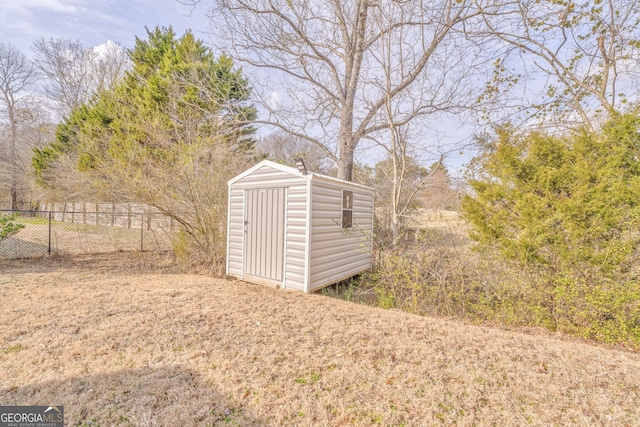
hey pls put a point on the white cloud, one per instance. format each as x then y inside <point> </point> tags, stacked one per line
<point>105,49</point>
<point>27,7</point>
<point>274,100</point>
<point>92,22</point>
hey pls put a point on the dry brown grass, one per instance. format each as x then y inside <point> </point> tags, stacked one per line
<point>120,343</point>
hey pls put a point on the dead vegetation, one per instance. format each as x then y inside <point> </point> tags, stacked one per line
<point>129,339</point>
<point>437,270</point>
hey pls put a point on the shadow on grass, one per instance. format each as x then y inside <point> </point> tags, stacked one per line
<point>14,247</point>
<point>167,396</point>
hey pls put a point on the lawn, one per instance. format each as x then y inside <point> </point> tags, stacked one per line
<point>128,339</point>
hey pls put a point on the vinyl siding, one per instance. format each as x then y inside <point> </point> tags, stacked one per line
<point>235,232</point>
<point>295,230</point>
<point>337,254</point>
<point>268,177</point>
<point>295,236</point>
<point>316,247</point>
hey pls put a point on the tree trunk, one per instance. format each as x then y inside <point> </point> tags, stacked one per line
<point>345,162</point>
<point>355,52</point>
<point>14,195</point>
<point>395,230</point>
<point>13,160</point>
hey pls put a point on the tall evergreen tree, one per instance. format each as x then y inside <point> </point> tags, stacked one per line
<point>170,135</point>
<point>176,93</point>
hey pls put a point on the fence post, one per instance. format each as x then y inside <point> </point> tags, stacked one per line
<point>49,249</point>
<point>142,232</point>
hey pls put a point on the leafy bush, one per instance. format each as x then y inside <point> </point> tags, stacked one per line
<point>569,203</point>
<point>562,213</point>
<point>7,227</point>
<point>457,281</point>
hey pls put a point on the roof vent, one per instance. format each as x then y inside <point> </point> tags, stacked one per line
<point>300,165</point>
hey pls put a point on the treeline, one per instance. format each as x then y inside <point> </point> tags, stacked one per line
<point>37,91</point>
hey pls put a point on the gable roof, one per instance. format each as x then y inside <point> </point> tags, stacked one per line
<point>294,172</point>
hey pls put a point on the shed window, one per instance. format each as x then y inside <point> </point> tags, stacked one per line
<point>347,209</point>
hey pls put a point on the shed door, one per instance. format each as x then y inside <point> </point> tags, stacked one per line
<point>264,233</point>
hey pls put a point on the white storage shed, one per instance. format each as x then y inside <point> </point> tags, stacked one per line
<point>297,230</point>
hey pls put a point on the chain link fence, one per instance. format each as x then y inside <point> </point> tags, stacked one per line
<point>87,228</point>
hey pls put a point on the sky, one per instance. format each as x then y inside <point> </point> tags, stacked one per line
<point>94,22</point>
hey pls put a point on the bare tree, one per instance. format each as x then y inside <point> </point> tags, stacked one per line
<point>110,64</point>
<point>441,192</point>
<point>448,87</point>
<point>324,83</point>
<point>73,73</point>
<point>17,78</point>
<point>34,130</point>
<point>588,55</point>
<point>400,179</point>
<point>283,148</point>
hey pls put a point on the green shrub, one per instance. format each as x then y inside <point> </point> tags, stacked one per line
<point>482,288</point>
<point>7,227</point>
